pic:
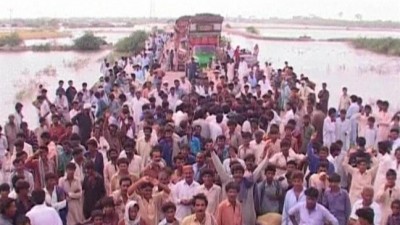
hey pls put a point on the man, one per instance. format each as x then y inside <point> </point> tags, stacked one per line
<point>200,216</point>
<point>343,129</point>
<point>329,128</point>
<point>123,165</point>
<point>20,170</point>
<point>18,114</point>
<point>323,97</point>
<point>120,196</point>
<point>93,189</point>
<point>84,122</point>
<point>229,211</point>
<point>294,196</point>
<point>55,196</point>
<point>191,70</point>
<point>344,101</point>
<point>211,190</point>
<point>337,200</point>
<point>95,156</point>
<point>135,161</point>
<point>311,212</point>
<point>23,201</point>
<point>7,211</point>
<point>183,192</point>
<point>70,92</point>
<point>366,201</point>
<point>11,131</point>
<point>42,214</point>
<point>352,111</point>
<point>258,144</point>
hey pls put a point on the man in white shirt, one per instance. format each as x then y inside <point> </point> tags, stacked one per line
<point>310,212</point>
<point>329,128</point>
<point>183,193</point>
<point>366,202</point>
<point>211,190</point>
<point>41,214</point>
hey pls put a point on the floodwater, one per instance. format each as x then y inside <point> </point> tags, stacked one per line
<point>367,74</point>
<point>325,33</point>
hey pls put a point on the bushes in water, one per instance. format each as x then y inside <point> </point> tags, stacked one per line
<point>10,40</point>
<point>88,42</point>
<point>41,48</point>
<point>252,30</point>
<point>134,43</point>
<point>387,46</point>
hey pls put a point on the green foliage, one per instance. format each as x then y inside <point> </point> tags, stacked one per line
<point>134,43</point>
<point>10,40</point>
<point>252,30</point>
<point>387,46</point>
<point>228,25</point>
<point>88,42</point>
<point>41,48</point>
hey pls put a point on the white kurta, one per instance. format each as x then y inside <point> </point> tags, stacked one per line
<point>329,132</point>
<point>184,191</point>
<point>343,129</point>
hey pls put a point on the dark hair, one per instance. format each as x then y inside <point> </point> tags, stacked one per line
<point>395,202</point>
<point>5,204</point>
<point>334,178</point>
<point>125,179</point>
<point>49,176</point>
<point>38,196</point>
<point>122,161</point>
<point>107,201</point>
<point>312,192</point>
<point>291,162</point>
<point>20,185</point>
<point>298,175</point>
<point>232,185</point>
<point>89,165</point>
<point>361,141</point>
<point>96,213</point>
<point>270,168</point>
<point>366,214</point>
<point>250,156</point>
<point>92,142</point>
<point>22,220</point>
<point>200,197</point>
<point>237,167</point>
<point>4,187</point>
<point>70,166</point>
<point>207,171</point>
<point>391,173</point>
<point>77,151</point>
<point>286,143</point>
<point>167,206</point>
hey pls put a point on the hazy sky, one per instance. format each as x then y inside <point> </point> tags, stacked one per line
<point>369,9</point>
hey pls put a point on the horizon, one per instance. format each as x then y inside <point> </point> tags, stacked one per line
<point>355,10</point>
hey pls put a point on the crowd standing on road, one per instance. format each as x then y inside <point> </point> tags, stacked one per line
<point>237,145</point>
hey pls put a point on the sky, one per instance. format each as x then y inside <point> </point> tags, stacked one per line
<point>369,9</point>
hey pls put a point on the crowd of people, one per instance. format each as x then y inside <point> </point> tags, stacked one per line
<point>238,145</point>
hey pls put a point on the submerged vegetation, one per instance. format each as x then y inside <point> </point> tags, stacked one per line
<point>387,46</point>
<point>88,42</point>
<point>132,44</point>
<point>10,40</point>
<point>252,30</point>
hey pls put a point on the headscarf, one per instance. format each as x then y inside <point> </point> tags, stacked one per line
<point>127,219</point>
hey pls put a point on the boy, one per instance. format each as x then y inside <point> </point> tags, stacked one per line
<point>387,193</point>
<point>269,193</point>
<point>371,133</point>
<point>361,176</point>
<point>169,210</point>
<point>293,196</point>
<point>319,180</point>
<point>211,190</point>
<point>337,200</point>
<point>394,219</point>
<point>4,191</point>
<point>229,211</point>
<point>365,216</point>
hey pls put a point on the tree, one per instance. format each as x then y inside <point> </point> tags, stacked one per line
<point>358,16</point>
<point>135,43</point>
<point>88,42</point>
<point>252,30</point>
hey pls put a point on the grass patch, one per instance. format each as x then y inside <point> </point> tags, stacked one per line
<point>386,46</point>
<point>252,30</point>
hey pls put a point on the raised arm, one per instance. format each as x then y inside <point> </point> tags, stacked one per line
<point>223,175</point>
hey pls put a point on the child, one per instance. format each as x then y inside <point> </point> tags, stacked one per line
<point>337,200</point>
<point>387,193</point>
<point>169,210</point>
<point>394,219</point>
<point>269,193</point>
<point>230,206</point>
<point>131,215</point>
<point>371,133</point>
<point>319,180</point>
